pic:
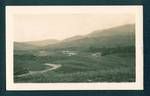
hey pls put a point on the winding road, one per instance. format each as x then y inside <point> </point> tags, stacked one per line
<point>52,67</point>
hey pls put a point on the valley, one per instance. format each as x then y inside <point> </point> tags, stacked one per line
<point>101,56</point>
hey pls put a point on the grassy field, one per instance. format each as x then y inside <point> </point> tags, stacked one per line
<point>81,67</point>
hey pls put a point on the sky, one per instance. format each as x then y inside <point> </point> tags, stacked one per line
<point>32,27</point>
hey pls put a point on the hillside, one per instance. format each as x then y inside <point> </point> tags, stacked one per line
<point>112,37</point>
<point>32,45</point>
<point>24,46</point>
<point>117,36</point>
<point>127,29</point>
<point>42,43</point>
<point>73,38</point>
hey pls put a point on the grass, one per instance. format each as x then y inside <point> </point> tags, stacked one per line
<point>83,67</point>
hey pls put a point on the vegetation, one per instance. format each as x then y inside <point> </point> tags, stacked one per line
<point>106,51</point>
<point>99,57</point>
<point>83,67</point>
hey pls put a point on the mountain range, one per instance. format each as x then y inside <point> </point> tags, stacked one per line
<point>123,35</point>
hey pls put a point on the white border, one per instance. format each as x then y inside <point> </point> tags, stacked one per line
<point>10,85</point>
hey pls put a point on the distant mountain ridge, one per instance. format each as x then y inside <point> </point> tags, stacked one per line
<point>23,46</point>
<point>72,38</point>
<point>123,35</point>
<point>31,45</point>
<point>128,28</point>
<point>42,43</point>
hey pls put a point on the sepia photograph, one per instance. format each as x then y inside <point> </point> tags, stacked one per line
<point>74,47</point>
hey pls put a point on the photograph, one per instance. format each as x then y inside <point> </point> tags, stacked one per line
<point>67,46</point>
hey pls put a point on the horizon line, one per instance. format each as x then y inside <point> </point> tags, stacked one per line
<point>74,35</point>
